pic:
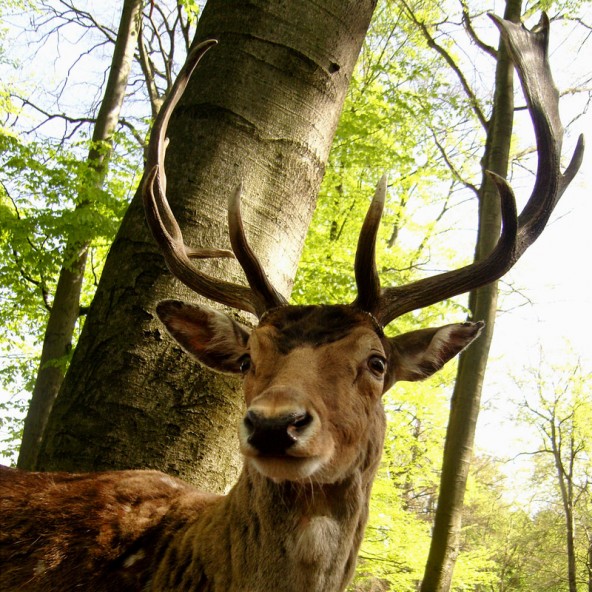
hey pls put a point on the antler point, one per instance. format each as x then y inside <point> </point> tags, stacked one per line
<point>234,199</point>
<point>380,193</point>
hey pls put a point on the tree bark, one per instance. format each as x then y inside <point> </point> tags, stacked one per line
<point>261,108</point>
<point>566,488</point>
<point>589,560</point>
<point>65,309</point>
<point>466,398</point>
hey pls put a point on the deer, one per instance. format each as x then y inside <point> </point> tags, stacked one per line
<point>313,430</point>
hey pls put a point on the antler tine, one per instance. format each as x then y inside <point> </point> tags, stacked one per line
<point>161,219</point>
<point>528,50</point>
<point>158,140</point>
<point>265,295</point>
<point>367,279</point>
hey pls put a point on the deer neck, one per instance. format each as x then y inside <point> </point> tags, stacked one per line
<point>285,537</point>
<point>317,524</point>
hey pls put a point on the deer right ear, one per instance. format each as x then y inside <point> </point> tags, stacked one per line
<point>212,337</point>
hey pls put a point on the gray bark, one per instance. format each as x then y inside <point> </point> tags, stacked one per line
<point>262,107</point>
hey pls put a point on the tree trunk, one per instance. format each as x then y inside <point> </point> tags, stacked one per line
<point>565,483</point>
<point>65,309</point>
<point>589,560</point>
<point>570,543</point>
<point>466,398</point>
<point>261,108</point>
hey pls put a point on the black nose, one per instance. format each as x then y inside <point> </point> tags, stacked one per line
<point>274,435</point>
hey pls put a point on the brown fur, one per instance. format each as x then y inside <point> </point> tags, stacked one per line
<point>294,521</point>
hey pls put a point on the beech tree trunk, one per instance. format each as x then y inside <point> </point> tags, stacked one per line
<point>261,108</point>
<point>565,481</point>
<point>65,309</point>
<point>466,398</point>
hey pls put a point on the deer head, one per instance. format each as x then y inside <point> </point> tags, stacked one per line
<point>313,375</point>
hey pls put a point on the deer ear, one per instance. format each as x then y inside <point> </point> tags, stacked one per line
<point>419,354</point>
<point>212,337</point>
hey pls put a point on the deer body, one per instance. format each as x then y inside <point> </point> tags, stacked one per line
<point>90,531</point>
<point>149,532</point>
<point>312,440</point>
<point>313,431</point>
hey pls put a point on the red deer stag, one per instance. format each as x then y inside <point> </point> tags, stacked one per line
<point>313,432</point>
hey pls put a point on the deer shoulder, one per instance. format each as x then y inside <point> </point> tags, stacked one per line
<point>109,526</point>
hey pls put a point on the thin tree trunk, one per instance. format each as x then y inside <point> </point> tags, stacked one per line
<point>589,560</point>
<point>262,107</point>
<point>565,482</point>
<point>570,542</point>
<point>466,398</point>
<point>65,309</point>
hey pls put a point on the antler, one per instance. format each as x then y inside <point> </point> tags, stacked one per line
<point>260,295</point>
<point>528,51</point>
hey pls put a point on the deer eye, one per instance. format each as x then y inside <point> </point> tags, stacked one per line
<point>245,364</point>
<point>377,365</point>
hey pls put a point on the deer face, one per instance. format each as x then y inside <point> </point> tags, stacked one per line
<point>314,374</point>
<point>312,387</point>
<point>313,380</point>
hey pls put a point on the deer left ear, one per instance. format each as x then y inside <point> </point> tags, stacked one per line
<point>419,354</point>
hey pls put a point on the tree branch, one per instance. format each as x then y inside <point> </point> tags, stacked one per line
<point>473,100</point>
<point>468,26</point>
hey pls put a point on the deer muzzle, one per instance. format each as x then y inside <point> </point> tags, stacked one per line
<point>283,435</point>
<point>274,435</point>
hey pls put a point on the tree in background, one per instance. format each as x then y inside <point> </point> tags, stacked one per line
<point>558,403</point>
<point>465,403</point>
<point>61,206</point>
<point>64,309</point>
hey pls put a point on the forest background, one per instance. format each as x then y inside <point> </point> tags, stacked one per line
<point>407,112</point>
